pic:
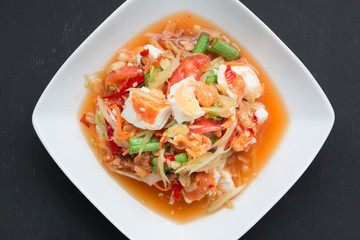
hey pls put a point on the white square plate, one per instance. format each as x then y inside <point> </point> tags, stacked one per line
<point>311,118</point>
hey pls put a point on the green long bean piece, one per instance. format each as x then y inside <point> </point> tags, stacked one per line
<point>201,44</point>
<point>149,147</point>
<point>223,49</point>
<point>138,140</point>
<point>134,144</point>
<point>211,78</point>
<point>181,158</point>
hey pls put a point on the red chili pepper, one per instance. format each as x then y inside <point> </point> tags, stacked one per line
<point>114,147</point>
<point>134,82</point>
<point>144,52</point>
<point>177,188</point>
<point>170,157</point>
<point>110,133</point>
<point>109,130</point>
<point>84,121</point>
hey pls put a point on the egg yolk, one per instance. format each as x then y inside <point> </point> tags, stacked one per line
<point>185,98</point>
<point>148,109</point>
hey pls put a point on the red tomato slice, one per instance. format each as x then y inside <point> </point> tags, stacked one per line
<point>123,74</point>
<point>207,126</point>
<point>193,65</point>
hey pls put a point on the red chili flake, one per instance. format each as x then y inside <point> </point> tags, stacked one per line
<point>144,52</point>
<point>170,157</point>
<point>211,186</point>
<point>251,131</point>
<point>255,119</point>
<point>177,188</point>
<point>84,121</point>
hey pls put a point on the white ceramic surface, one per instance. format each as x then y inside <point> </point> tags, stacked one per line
<point>56,122</point>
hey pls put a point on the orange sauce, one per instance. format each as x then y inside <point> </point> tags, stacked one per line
<point>268,138</point>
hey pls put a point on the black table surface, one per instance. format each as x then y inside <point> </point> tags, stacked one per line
<point>37,201</point>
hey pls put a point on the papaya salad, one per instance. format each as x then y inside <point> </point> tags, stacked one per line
<point>173,112</point>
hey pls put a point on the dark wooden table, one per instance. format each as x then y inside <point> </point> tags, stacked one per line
<point>37,201</point>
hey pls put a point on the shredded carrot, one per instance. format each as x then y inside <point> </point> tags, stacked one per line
<point>125,152</point>
<point>161,188</point>
<point>162,140</point>
<point>148,66</point>
<point>157,164</point>
<point>124,137</point>
<point>119,121</point>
